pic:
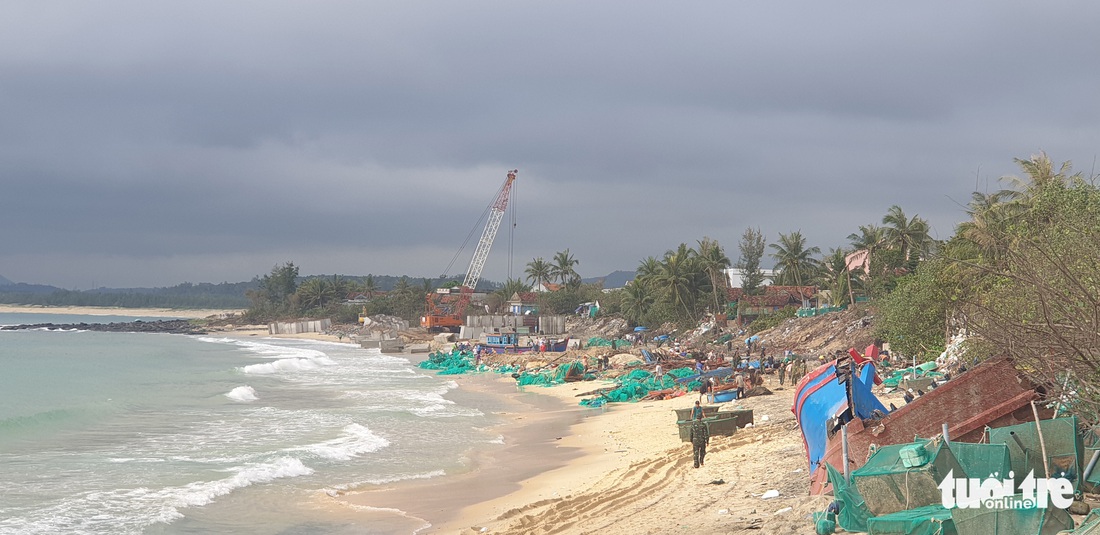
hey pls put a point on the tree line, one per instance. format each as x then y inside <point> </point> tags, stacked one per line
<point>1020,275</point>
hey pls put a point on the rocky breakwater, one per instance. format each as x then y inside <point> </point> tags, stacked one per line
<point>161,326</point>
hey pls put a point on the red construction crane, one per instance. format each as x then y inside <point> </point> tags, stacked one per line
<point>446,307</point>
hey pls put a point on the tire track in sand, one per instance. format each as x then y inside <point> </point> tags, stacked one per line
<point>629,491</point>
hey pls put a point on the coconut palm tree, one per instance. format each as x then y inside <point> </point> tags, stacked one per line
<point>370,286</point>
<point>870,238</point>
<point>713,260</point>
<point>648,269</point>
<point>511,287</point>
<point>538,271</point>
<point>909,236</point>
<point>794,259</point>
<point>832,277</point>
<point>316,293</point>
<point>1039,172</point>
<point>679,275</point>
<point>562,268</point>
<point>637,299</point>
<point>403,288</point>
<point>990,215</point>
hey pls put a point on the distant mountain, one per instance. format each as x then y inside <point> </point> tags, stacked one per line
<point>615,279</point>
<point>28,289</point>
<point>5,282</point>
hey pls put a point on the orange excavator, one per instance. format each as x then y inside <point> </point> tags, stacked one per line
<point>446,307</point>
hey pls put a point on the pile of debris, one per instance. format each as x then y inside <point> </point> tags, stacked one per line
<point>986,423</point>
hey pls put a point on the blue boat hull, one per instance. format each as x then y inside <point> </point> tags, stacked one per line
<point>822,403</point>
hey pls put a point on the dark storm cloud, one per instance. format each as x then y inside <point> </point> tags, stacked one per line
<point>152,143</point>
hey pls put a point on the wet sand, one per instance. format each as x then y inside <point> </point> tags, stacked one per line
<point>533,428</point>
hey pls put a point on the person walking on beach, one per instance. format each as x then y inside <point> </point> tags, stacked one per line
<point>700,437</point>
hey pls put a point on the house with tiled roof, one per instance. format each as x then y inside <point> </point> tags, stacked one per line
<point>523,303</point>
<point>772,300</point>
<point>544,287</point>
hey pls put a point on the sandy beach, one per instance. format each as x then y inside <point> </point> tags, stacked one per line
<point>567,469</point>
<point>621,469</point>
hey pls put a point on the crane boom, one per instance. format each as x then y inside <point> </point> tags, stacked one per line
<point>496,214</point>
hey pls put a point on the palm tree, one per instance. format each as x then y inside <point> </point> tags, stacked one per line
<point>403,288</point>
<point>832,277</point>
<point>637,299</point>
<point>794,259</point>
<point>1040,173</point>
<point>648,269</point>
<point>562,268</point>
<point>909,236</point>
<point>677,275</point>
<point>538,271</point>
<point>316,293</point>
<point>511,287</point>
<point>713,260</point>
<point>990,215</point>
<point>870,238</point>
<point>370,286</point>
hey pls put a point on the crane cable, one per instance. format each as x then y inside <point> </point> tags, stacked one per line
<point>512,232</point>
<point>473,231</point>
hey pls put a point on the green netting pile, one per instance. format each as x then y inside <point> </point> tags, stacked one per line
<point>506,369</point>
<point>638,384</point>
<point>553,376</point>
<point>449,363</point>
<point>597,341</point>
<point>928,369</point>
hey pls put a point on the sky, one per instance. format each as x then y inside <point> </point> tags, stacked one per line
<point>154,143</point>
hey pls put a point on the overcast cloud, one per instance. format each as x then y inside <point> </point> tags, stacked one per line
<point>152,143</point>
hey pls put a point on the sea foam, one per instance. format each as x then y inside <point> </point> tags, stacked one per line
<point>242,394</point>
<point>354,441</point>
<point>131,510</point>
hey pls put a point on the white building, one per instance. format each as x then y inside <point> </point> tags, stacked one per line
<point>734,276</point>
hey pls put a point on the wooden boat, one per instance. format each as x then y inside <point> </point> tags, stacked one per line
<point>723,396</point>
<point>992,394</point>
<point>509,343</point>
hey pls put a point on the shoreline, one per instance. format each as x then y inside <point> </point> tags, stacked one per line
<point>570,470</point>
<point>532,427</point>
<point>635,476</point>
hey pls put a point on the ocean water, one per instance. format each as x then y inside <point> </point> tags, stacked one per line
<point>154,433</point>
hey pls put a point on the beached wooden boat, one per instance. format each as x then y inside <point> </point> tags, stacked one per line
<point>829,397</point>
<point>992,394</point>
<point>509,343</point>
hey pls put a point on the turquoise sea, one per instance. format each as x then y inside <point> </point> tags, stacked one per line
<point>155,433</point>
